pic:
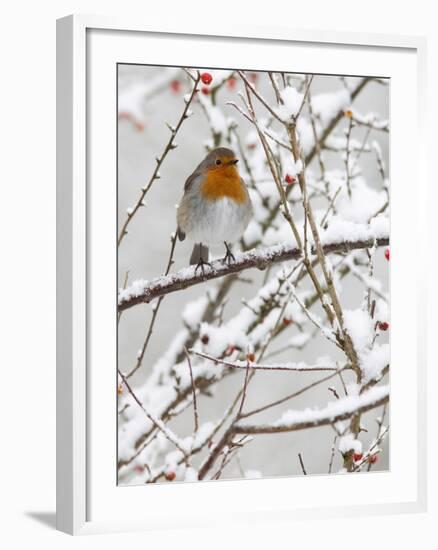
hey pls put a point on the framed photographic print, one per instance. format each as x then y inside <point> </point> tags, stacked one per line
<point>238,333</point>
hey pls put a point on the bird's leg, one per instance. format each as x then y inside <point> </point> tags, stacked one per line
<point>228,255</point>
<point>201,263</point>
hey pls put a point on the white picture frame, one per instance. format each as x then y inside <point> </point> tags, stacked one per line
<point>78,490</point>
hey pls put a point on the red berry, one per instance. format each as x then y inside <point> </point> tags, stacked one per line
<point>231,83</point>
<point>253,77</point>
<point>206,78</point>
<point>175,86</point>
<point>383,325</point>
<point>139,468</point>
<point>357,457</point>
<point>287,321</point>
<point>251,357</point>
<point>372,459</point>
<point>387,254</point>
<point>289,179</point>
<point>205,90</point>
<point>170,475</point>
<point>205,338</point>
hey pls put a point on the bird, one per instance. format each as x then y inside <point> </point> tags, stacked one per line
<point>215,208</point>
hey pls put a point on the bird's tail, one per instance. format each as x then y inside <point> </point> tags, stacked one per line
<point>199,252</point>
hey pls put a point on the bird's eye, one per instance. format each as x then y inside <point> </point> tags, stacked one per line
<point>218,162</point>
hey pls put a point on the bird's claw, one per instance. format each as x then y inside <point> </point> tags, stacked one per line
<point>200,265</point>
<point>228,256</point>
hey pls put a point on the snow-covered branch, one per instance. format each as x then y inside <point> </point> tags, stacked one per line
<point>336,411</point>
<point>142,291</point>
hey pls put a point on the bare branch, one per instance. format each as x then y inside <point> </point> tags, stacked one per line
<point>302,464</point>
<point>245,387</point>
<point>292,368</point>
<point>195,406</point>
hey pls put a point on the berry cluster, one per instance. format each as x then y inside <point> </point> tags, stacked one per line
<point>206,79</point>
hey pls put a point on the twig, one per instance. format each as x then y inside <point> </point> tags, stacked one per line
<point>229,454</point>
<point>125,283</point>
<point>290,396</point>
<point>335,120</point>
<point>302,464</point>
<point>245,386</point>
<point>332,455</point>
<point>276,89</point>
<point>370,451</point>
<point>330,206</point>
<point>379,431</point>
<point>260,97</point>
<point>334,392</point>
<point>257,366</point>
<point>157,423</point>
<point>327,334</point>
<point>217,449</point>
<point>195,406</point>
<point>272,164</point>
<point>343,383</point>
<point>215,430</point>
<point>306,92</point>
<point>347,156</point>
<point>315,138</point>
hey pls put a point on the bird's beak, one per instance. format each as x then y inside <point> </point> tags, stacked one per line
<point>234,161</point>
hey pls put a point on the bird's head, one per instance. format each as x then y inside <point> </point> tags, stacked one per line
<point>222,178</point>
<point>221,160</point>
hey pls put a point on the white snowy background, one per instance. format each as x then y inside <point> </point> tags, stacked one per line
<point>150,97</point>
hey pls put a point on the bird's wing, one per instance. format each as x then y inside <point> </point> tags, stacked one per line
<point>242,181</point>
<point>187,186</point>
<point>190,180</point>
<point>248,198</point>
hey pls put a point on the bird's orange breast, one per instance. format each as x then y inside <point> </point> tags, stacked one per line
<point>222,183</point>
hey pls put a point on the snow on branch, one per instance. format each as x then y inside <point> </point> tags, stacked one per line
<point>144,291</point>
<point>336,411</point>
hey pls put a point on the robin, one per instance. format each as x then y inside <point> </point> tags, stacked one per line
<point>215,207</point>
